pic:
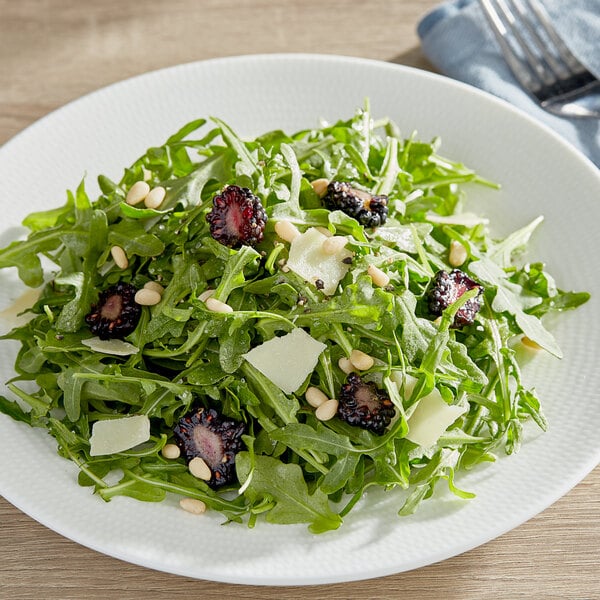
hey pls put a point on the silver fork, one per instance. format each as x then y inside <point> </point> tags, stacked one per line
<point>539,58</point>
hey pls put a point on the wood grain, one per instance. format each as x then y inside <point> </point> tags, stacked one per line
<point>53,51</point>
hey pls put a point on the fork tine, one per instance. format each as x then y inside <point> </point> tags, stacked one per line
<point>564,53</point>
<point>558,69</point>
<point>524,76</point>
<point>535,64</point>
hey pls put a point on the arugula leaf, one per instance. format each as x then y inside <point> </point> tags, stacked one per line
<point>131,236</point>
<point>285,486</point>
<point>508,299</point>
<point>321,439</point>
<point>285,407</point>
<point>12,409</point>
<point>246,162</point>
<point>416,332</point>
<point>359,303</point>
<point>24,255</point>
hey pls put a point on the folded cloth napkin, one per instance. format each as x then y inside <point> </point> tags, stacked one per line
<point>457,39</point>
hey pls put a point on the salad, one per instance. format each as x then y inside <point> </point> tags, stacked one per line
<point>269,328</point>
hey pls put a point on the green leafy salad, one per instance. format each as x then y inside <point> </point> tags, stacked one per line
<point>268,328</point>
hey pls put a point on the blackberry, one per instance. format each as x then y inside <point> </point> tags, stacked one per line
<point>207,434</point>
<point>237,218</point>
<point>116,314</point>
<point>368,210</point>
<point>363,404</point>
<point>446,288</point>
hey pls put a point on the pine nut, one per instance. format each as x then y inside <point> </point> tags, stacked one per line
<point>139,190</point>
<point>155,286</point>
<point>206,294</point>
<point>324,231</point>
<point>217,306</point>
<point>119,257</point>
<point>334,244</point>
<point>360,360</point>
<point>320,186</point>
<point>147,297</point>
<point>457,254</point>
<point>327,410</point>
<point>171,451</point>
<point>530,343</point>
<point>146,174</point>
<point>192,505</point>
<point>345,365</point>
<point>315,397</point>
<point>155,197</point>
<point>198,468</point>
<point>378,277</point>
<point>286,231</point>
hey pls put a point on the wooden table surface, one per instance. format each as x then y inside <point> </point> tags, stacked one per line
<point>53,51</point>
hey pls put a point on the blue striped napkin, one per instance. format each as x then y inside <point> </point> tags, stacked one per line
<point>458,41</point>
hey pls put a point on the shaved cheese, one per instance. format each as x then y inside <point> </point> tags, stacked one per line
<point>116,435</point>
<point>15,314</point>
<point>308,260</point>
<point>288,360</point>
<point>113,346</point>
<point>430,419</point>
<point>405,383</point>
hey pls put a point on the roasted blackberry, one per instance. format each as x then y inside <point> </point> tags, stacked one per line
<point>237,217</point>
<point>207,434</point>
<point>368,210</point>
<point>116,314</point>
<point>363,404</point>
<point>446,288</point>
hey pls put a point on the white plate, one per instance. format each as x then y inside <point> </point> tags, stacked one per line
<point>103,132</point>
